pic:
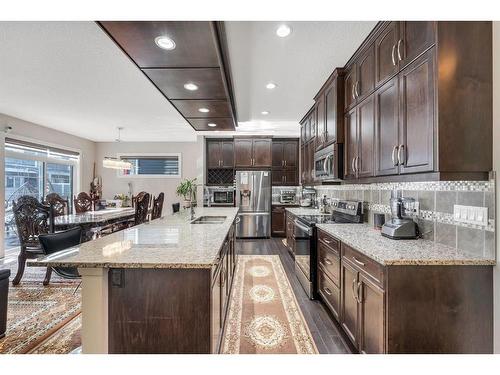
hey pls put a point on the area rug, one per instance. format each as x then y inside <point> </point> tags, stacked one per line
<point>264,315</point>
<point>64,341</point>
<point>35,312</point>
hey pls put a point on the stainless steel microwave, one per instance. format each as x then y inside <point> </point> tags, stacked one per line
<point>221,196</point>
<point>328,163</point>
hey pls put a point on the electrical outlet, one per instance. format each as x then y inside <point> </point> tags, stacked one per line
<point>470,214</point>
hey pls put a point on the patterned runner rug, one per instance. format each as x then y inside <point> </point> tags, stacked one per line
<point>264,315</point>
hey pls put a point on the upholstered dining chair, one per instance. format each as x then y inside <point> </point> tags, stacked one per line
<point>53,242</point>
<point>83,202</point>
<point>141,205</point>
<point>32,219</point>
<point>157,206</point>
<point>58,203</point>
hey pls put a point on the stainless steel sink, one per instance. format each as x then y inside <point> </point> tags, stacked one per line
<point>209,220</point>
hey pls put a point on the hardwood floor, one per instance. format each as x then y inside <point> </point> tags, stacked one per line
<point>327,335</point>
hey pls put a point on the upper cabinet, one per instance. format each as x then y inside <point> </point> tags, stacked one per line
<point>252,152</point>
<point>285,162</point>
<point>220,153</point>
<point>360,77</point>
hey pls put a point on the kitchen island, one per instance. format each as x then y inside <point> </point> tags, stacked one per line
<point>159,287</point>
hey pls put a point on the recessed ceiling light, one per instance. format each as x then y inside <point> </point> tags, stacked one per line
<point>265,112</point>
<point>212,125</point>
<point>203,110</point>
<point>191,86</point>
<point>164,42</point>
<point>271,86</point>
<point>283,31</point>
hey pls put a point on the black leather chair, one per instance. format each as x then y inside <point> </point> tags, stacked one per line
<point>4,294</point>
<point>54,242</point>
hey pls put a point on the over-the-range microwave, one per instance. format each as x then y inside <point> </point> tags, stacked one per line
<point>328,163</point>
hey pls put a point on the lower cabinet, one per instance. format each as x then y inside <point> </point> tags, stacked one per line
<point>216,311</point>
<point>278,221</point>
<point>371,316</point>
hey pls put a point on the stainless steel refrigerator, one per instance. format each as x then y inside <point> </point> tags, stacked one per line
<point>253,197</point>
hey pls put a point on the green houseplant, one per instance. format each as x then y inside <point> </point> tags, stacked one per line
<point>187,190</point>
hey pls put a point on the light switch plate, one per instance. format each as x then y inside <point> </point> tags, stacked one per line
<point>470,214</point>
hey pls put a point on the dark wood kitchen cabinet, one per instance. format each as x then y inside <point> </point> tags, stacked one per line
<point>308,148</point>
<point>360,77</point>
<point>285,162</point>
<point>386,64</point>
<point>349,89</point>
<point>252,152</point>
<point>216,311</point>
<point>329,111</point>
<point>371,316</point>
<point>360,128</point>
<point>220,153</point>
<point>290,241</point>
<point>350,317</point>
<point>278,221</point>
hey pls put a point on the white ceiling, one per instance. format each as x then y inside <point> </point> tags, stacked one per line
<point>71,77</point>
<point>299,64</point>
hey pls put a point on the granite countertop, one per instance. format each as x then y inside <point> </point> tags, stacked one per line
<point>298,211</point>
<point>94,216</point>
<point>169,242</point>
<point>370,242</point>
<point>274,203</point>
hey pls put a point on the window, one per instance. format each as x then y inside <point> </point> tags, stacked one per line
<point>152,165</point>
<point>36,170</point>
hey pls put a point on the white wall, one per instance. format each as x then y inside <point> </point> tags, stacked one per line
<point>496,167</point>
<point>38,133</point>
<point>192,166</point>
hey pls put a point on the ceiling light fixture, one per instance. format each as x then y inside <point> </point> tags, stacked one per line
<point>283,31</point>
<point>212,124</point>
<point>115,163</point>
<point>265,113</point>
<point>191,86</point>
<point>164,42</point>
<point>271,86</point>
<point>203,110</point>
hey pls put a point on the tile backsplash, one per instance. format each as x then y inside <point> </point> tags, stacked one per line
<point>436,200</point>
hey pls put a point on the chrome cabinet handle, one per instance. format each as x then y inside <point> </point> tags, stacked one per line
<point>356,87</point>
<point>352,165</point>
<point>285,163</point>
<point>238,219</point>
<point>327,291</point>
<point>401,160</point>
<point>358,294</point>
<point>357,163</point>
<point>400,41</point>
<point>393,156</point>
<point>358,261</point>
<point>353,91</point>
<point>327,240</point>
<point>392,55</point>
<point>328,261</point>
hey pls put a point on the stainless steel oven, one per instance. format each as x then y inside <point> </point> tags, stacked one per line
<point>303,236</point>
<point>328,163</point>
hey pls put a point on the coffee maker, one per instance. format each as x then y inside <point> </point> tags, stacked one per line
<point>401,226</point>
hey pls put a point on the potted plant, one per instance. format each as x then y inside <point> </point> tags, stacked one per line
<point>187,190</point>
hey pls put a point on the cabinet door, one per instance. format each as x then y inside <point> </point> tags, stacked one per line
<point>289,233</point>
<point>349,81</point>
<point>349,314</point>
<point>330,293</point>
<point>320,122</point>
<point>290,177</point>
<point>366,137</point>
<point>365,82</point>
<point>302,164</point>
<point>332,113</point>
<point>277,177</point>
<point>386,128</point>
<point>313,126</point>
<point>386,60</point>
<point>416,135</point>
<point>291,154</point>
<point>371,315</point>
<point>278,221</point>
<point>303,138</point>
<point>227,154</point>
<point>351,144</point>
<point>310,160</point>
<point>305,164</point>
<point>216,313</point>
<point>262,152</point>
<point>277,154</point>
<point>243,152</point>
<point>415,38</point>
<point>214,154</point>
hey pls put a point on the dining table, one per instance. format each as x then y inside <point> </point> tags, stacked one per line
<point>92,222</point>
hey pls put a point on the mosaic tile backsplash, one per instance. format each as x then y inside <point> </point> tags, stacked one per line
<point>436,199</point>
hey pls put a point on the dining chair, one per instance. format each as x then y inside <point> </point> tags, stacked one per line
<point>157,206</point>
<point>32,219</point>
<point>4,297</point>
<point>58,203</point>
<point>141,207</point>
<point>53,242</point>
<point>83,202</point>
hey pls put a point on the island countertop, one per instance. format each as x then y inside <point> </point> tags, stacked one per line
<point>169,242</point>
<point>369,241</point>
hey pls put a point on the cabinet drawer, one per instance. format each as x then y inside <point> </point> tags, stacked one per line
<point>330,293</point>
<point>329,262</point>
<point>364,264</point>
<point>329,241</point>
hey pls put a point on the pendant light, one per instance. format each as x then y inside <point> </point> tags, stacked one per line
<point>115,163</point>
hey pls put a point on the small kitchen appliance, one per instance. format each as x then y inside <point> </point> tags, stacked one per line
<point>308,197</point>
<point>219,196</point>
<point>287,196</point>
<point>401,226</point>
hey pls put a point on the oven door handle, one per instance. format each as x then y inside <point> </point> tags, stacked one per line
<point>302,227</point>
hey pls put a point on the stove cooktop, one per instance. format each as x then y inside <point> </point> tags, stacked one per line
<point>313,220</point>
